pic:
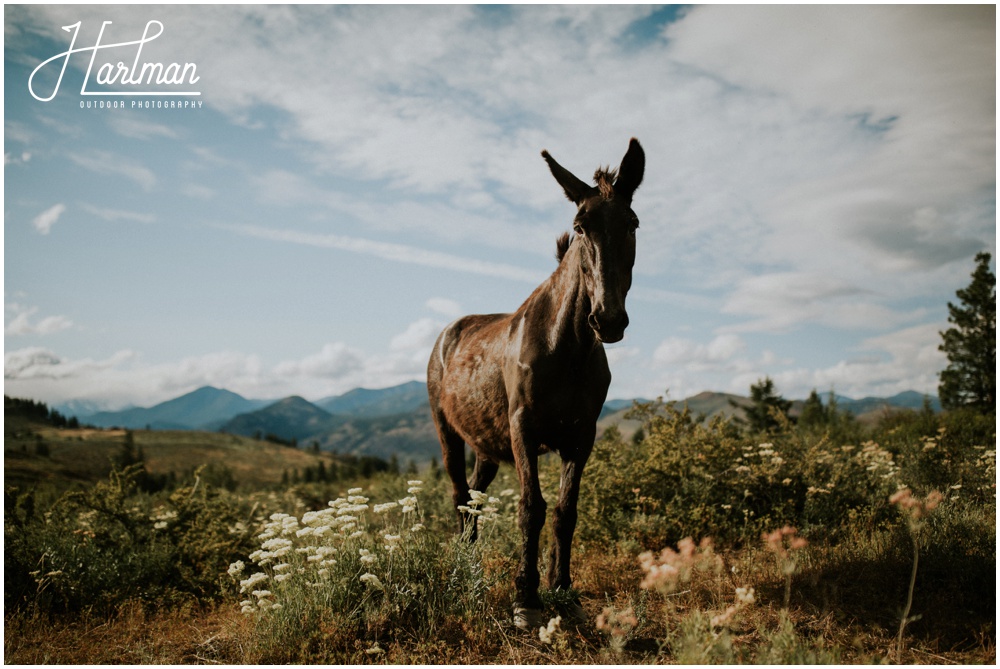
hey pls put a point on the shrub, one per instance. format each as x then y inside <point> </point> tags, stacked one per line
<point>355,573</point>
<point>102,546</point>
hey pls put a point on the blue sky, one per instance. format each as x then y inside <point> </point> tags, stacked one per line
<point>818,181</point>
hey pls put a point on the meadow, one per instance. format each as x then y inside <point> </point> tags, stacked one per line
<point>698,542</point>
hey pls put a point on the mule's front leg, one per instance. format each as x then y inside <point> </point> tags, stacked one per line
<point>563,527</point>
<point>531,518</point>
<point>564,524</point>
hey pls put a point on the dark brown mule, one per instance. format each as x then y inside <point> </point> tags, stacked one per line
<point>512,386</point>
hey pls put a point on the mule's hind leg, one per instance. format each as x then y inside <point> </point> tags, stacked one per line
<point>453,455</point>
<point>482,475</point>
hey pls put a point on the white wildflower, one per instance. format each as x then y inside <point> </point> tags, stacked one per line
<point>248,583</point>
<point>372,580</point>
<point>375,650</point>
<point>278,578</point>
<point>236,568</point>
<point>383,508</point>
<point>745,595</point>
<point>275,544</point>
<point>547,633</point>
<point>417,528</point>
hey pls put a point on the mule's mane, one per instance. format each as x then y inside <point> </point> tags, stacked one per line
<point>562,246</point>
<point>605,177</point>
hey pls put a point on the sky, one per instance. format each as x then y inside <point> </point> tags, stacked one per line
<point>350,179</point>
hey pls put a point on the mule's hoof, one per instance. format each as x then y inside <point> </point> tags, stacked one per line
<point>572,612</point>
<point>528,619</point>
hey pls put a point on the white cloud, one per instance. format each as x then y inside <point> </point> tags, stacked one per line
<point>419,336</point>
<point>113,215</point>
<point>20,322</point>
<point>917,82</point>
<point>782,300</point>
<point>390,251</point>
<point>11,159</point>
<point>444,306</point>
<point>134,127</point>
<point>40,364</point>
<point>109,164</point>
<point>907,359</point>
<point>334,361</point>
<point>677,350</point>
<point>45,220</point>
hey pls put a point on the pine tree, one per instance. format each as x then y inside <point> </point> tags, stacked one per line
<point>767,405</point>
<point>814,414</point>
<point>970,378</point>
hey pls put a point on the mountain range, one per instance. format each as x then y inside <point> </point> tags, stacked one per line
<point>385,422</point>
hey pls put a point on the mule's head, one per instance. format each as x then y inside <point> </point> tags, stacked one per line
<point>605,228</point>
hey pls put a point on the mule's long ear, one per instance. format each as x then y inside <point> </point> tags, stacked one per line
<point>631,171</point>
<point>575,189</point>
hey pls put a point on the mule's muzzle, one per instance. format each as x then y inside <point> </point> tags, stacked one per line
<point>608,327</point>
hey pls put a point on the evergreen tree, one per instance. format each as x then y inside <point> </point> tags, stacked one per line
<point>127,455</point>
<point>766,406</point>
<point>970,379</point>
<point>814,414</point>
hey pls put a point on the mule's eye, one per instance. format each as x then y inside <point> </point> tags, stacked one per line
<point>577,228</point>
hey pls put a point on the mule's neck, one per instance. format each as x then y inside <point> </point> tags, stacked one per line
<point>560,306</point>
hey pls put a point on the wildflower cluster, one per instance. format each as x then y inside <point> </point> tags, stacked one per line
<point>337,542</point>
<point>618,625</point>
<point>913,508</point>
<point>783,543</point>
<point>666,571</point>
<point>744,597</point>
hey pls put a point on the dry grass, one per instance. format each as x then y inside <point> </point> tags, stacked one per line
<point>221,634</point>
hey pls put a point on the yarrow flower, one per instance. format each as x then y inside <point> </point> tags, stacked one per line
<point>383,508</point>
<point>236,568</point>
<point>372,580</point>
<point>547,633</point>
<point>247,584</point>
